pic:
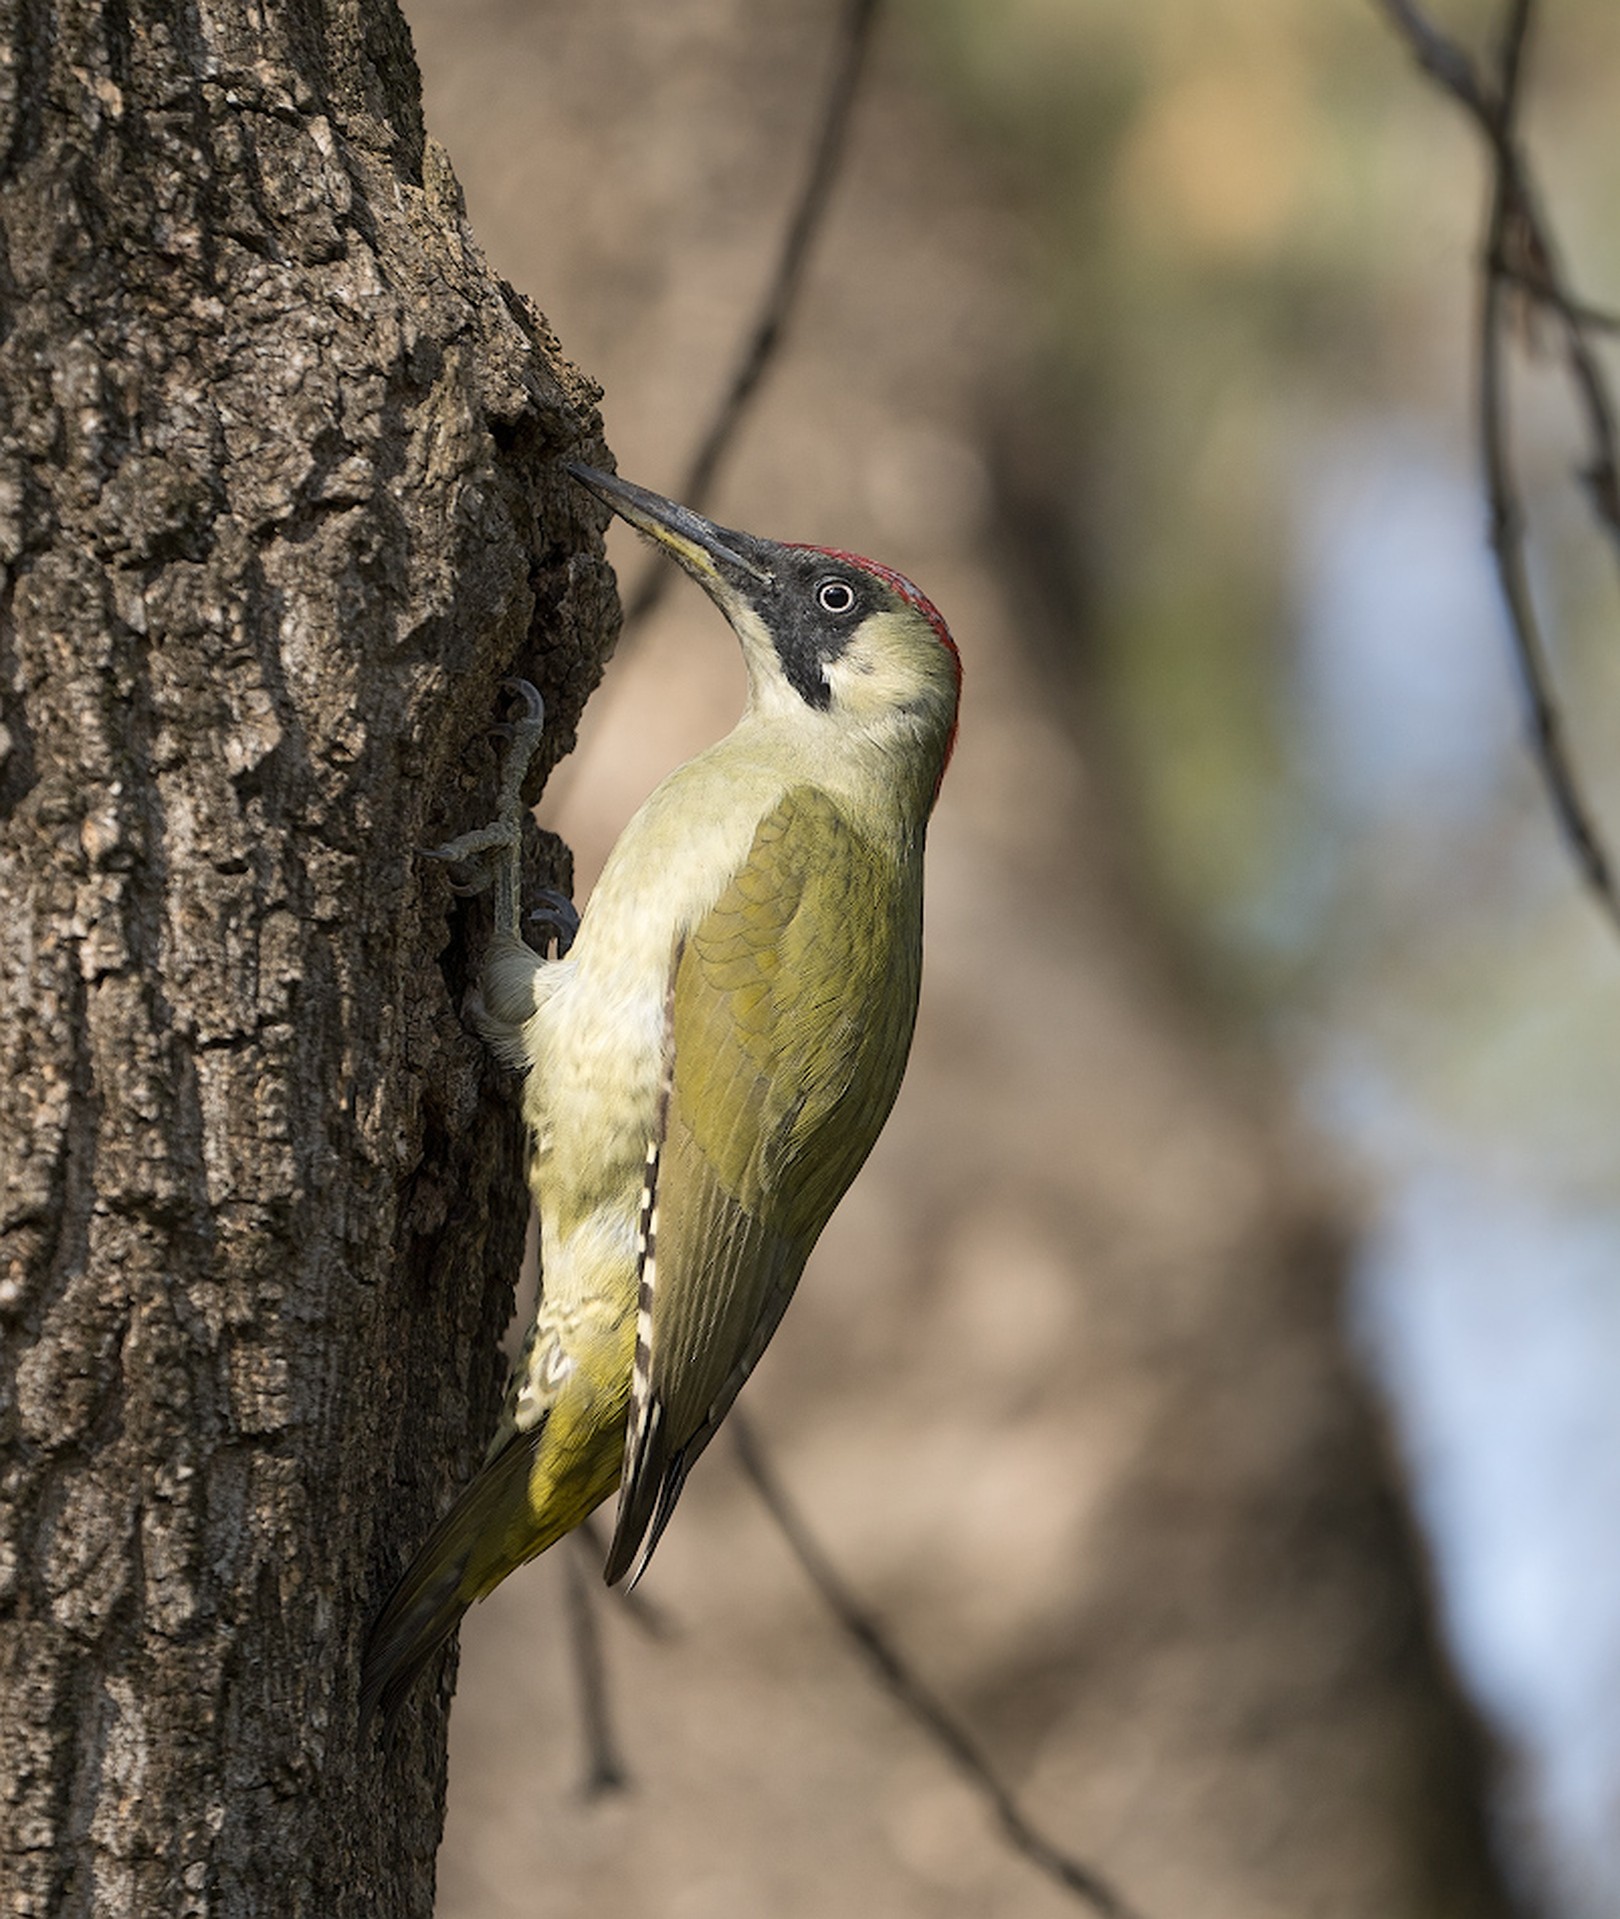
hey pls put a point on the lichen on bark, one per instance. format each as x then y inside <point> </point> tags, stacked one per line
<point>280,506</point>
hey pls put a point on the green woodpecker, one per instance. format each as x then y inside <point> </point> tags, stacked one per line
<point>710,1063</point>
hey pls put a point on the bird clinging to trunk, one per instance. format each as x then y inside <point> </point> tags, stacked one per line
<point>708,1066</point>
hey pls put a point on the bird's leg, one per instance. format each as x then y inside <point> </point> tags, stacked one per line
<point>506,996</point>
<point>499,846</point>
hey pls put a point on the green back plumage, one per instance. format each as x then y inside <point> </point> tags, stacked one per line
<point>792,1007</point>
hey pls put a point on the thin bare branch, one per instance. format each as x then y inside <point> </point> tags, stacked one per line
<point>1442,59</point>
<point>916,1700</point>
<point>1519,254</point>
<point>1533,280</point>
<point>652,1620</point>
<point>605,1771</point>
<point>1507,523</point>
<point>775,310</point>
<point>1524,249</point>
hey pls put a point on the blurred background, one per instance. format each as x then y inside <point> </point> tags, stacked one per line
<point>1217,1360</point>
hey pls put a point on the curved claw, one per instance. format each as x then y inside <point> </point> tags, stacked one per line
<point>558,914</point>
<point>534,706</point>
<point>534,713</point>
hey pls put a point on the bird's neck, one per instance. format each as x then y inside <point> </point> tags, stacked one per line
<point>881,782</point>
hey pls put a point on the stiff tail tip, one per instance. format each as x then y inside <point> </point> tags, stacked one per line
<point>473,1547</point>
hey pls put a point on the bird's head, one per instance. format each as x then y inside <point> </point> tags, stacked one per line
<point>832,642</point>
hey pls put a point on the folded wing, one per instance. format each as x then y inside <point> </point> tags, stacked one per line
<point>791,1013</point>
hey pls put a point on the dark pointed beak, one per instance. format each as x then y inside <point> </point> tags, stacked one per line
<point>723,562</point>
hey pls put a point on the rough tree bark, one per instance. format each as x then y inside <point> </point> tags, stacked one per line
<point>279,507</point>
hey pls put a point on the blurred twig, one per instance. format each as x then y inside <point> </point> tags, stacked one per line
<point>775,308</point>
<point>605,1771</point>
<point>920,1704</point>
<point>643,1611</point>
<point>1520,255</point>
<point>765,335</point>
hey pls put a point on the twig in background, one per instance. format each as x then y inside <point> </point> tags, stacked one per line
<point>605,1771</point>
<point>1519,254</point>
<point>1533,280</point>
<point>1512,226</point>
<point>771,320</point>
<point>653,1620</point>
<point>919,1703</point>
<point>1443,61</point>
<point>765,335</point>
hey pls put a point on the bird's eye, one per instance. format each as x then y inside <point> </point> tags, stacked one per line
<point>835,596</point>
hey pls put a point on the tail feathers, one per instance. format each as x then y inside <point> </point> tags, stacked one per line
<point>634,1555</point>
<point>654,1479</point>
<point>489,1531</point>
<point>638,1494</point>
<point>653,1483</point>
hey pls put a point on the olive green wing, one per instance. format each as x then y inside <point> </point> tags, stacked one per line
<point>791,1011</point>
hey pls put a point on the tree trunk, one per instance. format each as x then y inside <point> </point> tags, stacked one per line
<point>279,507</point>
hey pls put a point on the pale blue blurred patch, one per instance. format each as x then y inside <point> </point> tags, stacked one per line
<point>1489,1294</point>
<point>1404,691</point>
<point>1495,1321</point>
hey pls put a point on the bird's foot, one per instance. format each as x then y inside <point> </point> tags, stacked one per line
<point>472,850</point>
<point>495,852</point>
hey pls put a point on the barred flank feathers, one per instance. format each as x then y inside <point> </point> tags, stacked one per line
<point>647,1281</point>
<point>646,1414</point>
